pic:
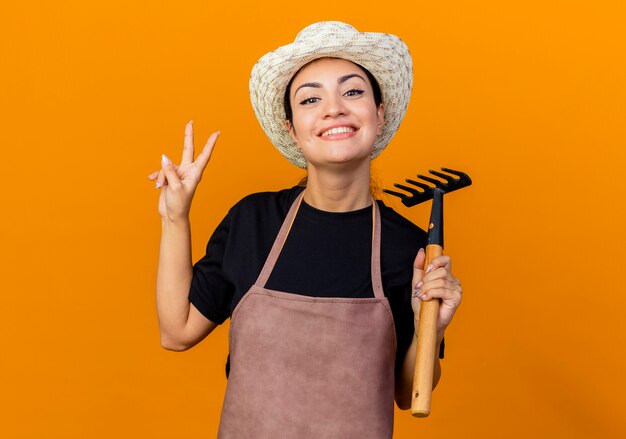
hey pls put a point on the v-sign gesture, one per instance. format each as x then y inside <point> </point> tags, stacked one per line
<point>178,182</point>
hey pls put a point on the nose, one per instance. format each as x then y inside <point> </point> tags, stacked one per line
<point>335,106</point>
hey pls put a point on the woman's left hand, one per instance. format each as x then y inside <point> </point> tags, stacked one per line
<point>436,282</point>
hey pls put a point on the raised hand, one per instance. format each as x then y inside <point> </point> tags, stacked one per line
<point>178,182</point>
<point>436,282</point>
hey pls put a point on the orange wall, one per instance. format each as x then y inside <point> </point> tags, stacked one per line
<point>528,97</point>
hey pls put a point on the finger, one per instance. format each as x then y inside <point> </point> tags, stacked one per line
<point>188,144</point>
<point>449,284</point>
<point>170,173</point>
<point>205,155</point>
<point>418,270</point>
<point>438,284</point>
<point>439,261</point>
<point>441,289</point>
<point>160,180</point>
<point>435,293</point>
<point>439,273</point>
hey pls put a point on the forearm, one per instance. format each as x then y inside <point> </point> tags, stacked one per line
<point>404,383</point>
<point>173,280</point>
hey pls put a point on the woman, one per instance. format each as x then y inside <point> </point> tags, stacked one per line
<point>322,284</point>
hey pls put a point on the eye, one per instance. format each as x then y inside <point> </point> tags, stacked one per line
<point>354,92</point>
<point>309,101</point>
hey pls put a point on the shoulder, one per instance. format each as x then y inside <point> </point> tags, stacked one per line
<point>265,206</point>
<point>400,238</point>
<point>400,242</point>
<point>397,225</point>
<point>251,225</point>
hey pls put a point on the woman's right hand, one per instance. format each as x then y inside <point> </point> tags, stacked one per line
<point>178,182</point>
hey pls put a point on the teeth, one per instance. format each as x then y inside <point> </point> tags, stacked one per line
<point>338,131</point>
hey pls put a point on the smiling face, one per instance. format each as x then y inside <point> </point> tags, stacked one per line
<point>335,117</point>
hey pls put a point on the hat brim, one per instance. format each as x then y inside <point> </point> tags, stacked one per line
<point>385,56</point>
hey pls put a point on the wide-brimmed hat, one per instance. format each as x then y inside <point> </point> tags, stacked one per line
<point>384,55</point>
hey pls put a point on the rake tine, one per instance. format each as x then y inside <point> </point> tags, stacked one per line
<point>402,196</point>
<point>431,180</point>
<point>446,177</point>
<point>459,174</point>
<point>417,183</point>
<point>444,183</point>
<point>411,190</point>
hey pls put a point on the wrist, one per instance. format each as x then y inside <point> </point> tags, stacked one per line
<point>168,223</point>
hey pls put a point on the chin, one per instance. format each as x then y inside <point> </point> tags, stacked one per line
<point>341,160</point>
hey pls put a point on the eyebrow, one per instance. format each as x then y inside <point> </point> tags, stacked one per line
<point>346,77</point>
<point>341,80</point>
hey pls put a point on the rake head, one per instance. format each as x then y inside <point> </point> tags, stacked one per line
<point>415,196</point>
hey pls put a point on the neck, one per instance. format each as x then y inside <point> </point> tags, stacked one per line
<point>338,190</point>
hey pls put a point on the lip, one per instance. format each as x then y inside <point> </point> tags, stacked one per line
<point>340,135</point>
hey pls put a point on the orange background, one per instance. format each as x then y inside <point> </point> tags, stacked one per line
<point>529,98</point>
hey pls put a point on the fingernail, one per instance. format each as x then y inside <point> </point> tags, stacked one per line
<point>430,267</point>
<point>419,285</point>
<point>416,292</point>
<point>158,184</point>
<point>165,160</point>
<point>421,250</point>
<point>421,296</point>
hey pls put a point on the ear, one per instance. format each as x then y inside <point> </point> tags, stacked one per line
<point>292,131</point>
<point>380,116</point>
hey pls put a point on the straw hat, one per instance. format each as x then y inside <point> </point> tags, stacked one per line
<point>384,55</point>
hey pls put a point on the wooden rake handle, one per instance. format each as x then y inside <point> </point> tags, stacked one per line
<point>426,348</point>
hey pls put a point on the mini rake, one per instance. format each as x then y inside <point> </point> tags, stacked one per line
<point>419,192</point>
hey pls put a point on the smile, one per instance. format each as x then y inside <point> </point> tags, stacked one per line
<point>339,130</point>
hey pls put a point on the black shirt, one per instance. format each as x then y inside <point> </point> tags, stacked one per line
<point>326,254</point>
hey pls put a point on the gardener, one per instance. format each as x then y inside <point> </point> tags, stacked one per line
<point>322,283</point>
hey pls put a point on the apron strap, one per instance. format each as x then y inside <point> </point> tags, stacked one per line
<point>270,262</point>
<point>377,279</point>
<point>279,242</point>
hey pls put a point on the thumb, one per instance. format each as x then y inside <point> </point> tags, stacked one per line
<point>418,267</point>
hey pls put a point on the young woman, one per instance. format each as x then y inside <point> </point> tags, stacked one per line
<point>322,284</point>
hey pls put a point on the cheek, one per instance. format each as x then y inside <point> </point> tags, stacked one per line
<point>303,123</point>
<point>372,118</point>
